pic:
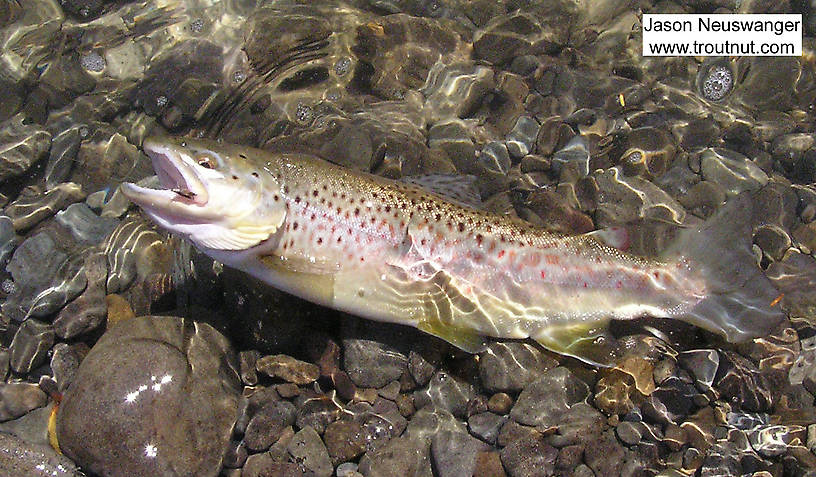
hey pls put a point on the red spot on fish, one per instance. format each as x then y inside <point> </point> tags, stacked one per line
<point>314,193</point>
<point>619,284</point>
<point>585,284</point>
<point>313,217</point>
<point>543,275</point>
<point>501,253</point>
<point>319,240</point>
<point>295,226</point>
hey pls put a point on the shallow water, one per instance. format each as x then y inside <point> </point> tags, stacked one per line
<point>551,107</point>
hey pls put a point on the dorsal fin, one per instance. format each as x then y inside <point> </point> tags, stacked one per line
<point>457,188</point>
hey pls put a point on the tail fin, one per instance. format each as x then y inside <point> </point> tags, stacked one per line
<point>740,298</point>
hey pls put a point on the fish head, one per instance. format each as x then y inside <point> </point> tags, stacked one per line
<point>218,196</point>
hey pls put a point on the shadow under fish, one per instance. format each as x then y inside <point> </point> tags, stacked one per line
<point>421,253</point>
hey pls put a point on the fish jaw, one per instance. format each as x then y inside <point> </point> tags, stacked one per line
<point>217,203</point>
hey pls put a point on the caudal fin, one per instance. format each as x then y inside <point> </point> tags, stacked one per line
<point>740,298</point>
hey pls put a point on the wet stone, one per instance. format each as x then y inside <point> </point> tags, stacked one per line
<point>529,457</point>
<point>288,368</point>
<point>510,366</point>
<point>494,157</point>
<point>447,392</point>
<point>404,456</point>
<point>344,440</point>
<point>625,199</point>
<point>730,169</point>
<point>316,412</point>
<point>452,137</point>
<point>454,453</point>
<point>308,452</point>
<point>488,464</point>
<point>604,456</point>
<point>268,424</point>
<point>89,310</point>
<point>30,346</point>
<point>702,364</point>
<point>521,139</point>
<point>33,205</point>
<point>236,455</point>
<point>739,381</point>
<point>572,161</point>
<point>500,403</point>
<point>247,359</point>
<point>372,364</point>
<point>65,361</point>
<point>8,239</point>
<point>486,426</point>
<point>455,90</point>
<point>86,227</point>
<point>773,241</point>
<point>629,432</point>
<point>18,457</point>
<point>17,399</point>
<point>172,390</point>
<point>26,144</point>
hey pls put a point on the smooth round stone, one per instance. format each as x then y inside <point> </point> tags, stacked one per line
<point>30,345</point>
<point>17,399</point>
<point>154,396</point>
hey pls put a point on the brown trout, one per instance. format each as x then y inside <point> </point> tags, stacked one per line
<point>398,252</point>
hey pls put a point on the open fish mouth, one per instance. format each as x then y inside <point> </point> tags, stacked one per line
<point>178,174</point>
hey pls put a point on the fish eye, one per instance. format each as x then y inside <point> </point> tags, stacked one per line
<point>206,162</point>
<point>255,174</point>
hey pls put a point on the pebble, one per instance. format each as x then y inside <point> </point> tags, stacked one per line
<point>522,138</point>
<point>510,366</point>
<point>30,346</point>
<point>65,361</point>
<point>486,426</point>
<point>288,369</point>
<point>307,450</point>
<point>372,364</point>
<point>403,456</point>
<point>268,425</point>
<point>345,441</point>
<point>173,391</point>
<point>446,391</point>
<point>26,144</point>
<point>500,403</point>
<point>17,399</point>
<point>34,205</point>
<point>88,311</point>
<point>547,400</point>
<point>529,457</point>
<point>18,457</point>
<point>730,169</point>
<point>773,241</point>
<point>86,227</point>
<point>454,453</point>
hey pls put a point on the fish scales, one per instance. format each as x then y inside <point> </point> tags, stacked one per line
<point>394,251</point>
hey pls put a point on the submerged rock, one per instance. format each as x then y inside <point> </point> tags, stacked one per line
<point>155,395</point>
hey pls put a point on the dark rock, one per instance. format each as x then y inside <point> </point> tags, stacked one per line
<point>529,457</point>
<point>446,392</point>
<point>494,157</point>
<point>372,364</point>
<point>773,241</point>
<point>732,170</point>
<point>454,453</point>
<point>288,369</point>
<point>308,452</point>
<point>89,310</point>
<point>522,138</point>
<point>486,426</point>
<point>625,199</point>
<point>316,412</point>
<point>33,205</point>
<point>488,464</point>
<point>500,403</point>
<point>455,90</point>
<point>65,363</point>
<point>544,402</point>
<point>510,366</point>
<point>33,266</point>
<point>17,399</point>
<point>629,432</point>
<point>30,346</point>
<point>26,144</point>
<point>236,455</point>
<point>171,390</point>
<point>702,365</point>
<point>403,456</point>
<point>247,359</point>
<point>268,424</point>
<point>344,441</point>
<point>452,137</point>
<point>739,381</point>
<point>572,161</point>
<point>18,457</point>
<point>604,456</point>
<point>86,227</point>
